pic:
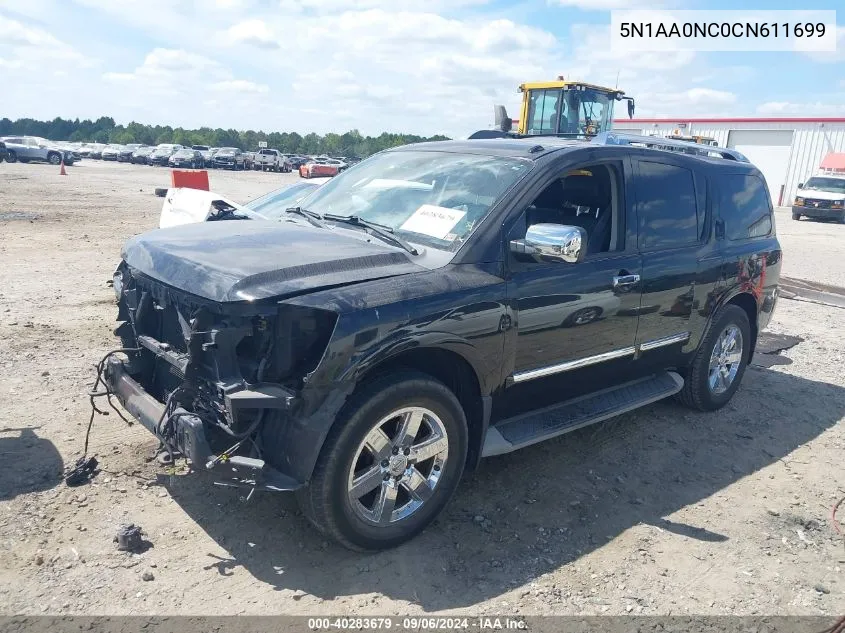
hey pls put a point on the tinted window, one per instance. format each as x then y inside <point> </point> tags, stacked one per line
<point>744,206</point>
<point>667,208</point>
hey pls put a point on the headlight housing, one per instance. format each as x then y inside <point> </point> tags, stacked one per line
<point>799,202</point>
<point>837,204</point>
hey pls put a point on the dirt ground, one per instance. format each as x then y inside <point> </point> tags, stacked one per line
<point>661,511</point>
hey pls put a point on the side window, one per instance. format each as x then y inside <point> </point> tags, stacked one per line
<point>542,111</point>
<point>744,206</point>
<point>667,210</point>
<point>589,197</point>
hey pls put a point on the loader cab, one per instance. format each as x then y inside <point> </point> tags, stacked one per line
<point>568,109</point>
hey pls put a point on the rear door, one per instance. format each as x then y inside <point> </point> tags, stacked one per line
<point>681,264</point>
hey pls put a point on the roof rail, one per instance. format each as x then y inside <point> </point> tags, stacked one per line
<point>671,145</point>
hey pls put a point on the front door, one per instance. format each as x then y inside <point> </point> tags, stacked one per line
<point>575,324</point>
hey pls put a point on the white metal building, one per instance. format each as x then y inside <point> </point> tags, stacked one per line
<point>787,151</point>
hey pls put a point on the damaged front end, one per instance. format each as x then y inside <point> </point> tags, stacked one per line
<point>218,383</point>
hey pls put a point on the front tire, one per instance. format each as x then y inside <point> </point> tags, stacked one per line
<point>796,216</point>
<point>390,464</point>
<point>720,361</point>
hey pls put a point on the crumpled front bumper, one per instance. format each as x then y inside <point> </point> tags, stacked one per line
<point>190,437</point>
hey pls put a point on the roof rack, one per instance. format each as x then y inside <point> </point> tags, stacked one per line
<point>671,145</point>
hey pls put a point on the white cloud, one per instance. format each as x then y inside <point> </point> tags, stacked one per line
<point>253,32</point>
<point>240,86</point>
<point>30,47</point>
<point>610,5</point>
<point>167,66</point>
<point>324,7</point>
<point>832,57</point>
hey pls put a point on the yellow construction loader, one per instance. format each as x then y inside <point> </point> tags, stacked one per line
<point>570,109</point>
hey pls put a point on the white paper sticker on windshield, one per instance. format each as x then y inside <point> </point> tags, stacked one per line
<point>434,221</point>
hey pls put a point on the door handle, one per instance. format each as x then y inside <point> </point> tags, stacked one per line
<point>624,281</point>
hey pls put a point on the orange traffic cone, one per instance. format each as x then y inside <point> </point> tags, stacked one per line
<point>62,171</point>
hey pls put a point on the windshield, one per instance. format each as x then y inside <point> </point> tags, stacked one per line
<point>226,151</point>
<point>833,185</point>
<point>273,204</point>
<point>184,153</point>
<point>433,198</point>
<point>578,112</point>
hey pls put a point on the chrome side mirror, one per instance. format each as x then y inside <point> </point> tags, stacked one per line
<point>800,185</point>
<point>555,242</point>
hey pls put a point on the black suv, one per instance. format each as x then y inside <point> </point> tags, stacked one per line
<point>439,303</point>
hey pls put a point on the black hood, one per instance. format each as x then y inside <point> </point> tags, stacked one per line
<point>252,260</point>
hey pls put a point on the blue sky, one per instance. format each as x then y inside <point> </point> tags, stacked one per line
<point>424,66</point>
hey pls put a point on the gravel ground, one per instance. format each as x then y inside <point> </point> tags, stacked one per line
<point>661,511</point>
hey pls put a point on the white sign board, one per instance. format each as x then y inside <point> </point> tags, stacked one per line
<point>262,144</point>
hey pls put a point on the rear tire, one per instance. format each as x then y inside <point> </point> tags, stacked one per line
<point>11,157</point>
<point>367,444</point>
<point>703,388</point>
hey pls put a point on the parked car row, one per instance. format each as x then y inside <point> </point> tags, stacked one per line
<point>32,148</point>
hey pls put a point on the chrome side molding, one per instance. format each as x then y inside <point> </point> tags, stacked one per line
<point>680,337</point>
<point>541,372</point>
<point>550,370</point>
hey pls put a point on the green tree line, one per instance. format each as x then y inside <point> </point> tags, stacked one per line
<point>105,130</point>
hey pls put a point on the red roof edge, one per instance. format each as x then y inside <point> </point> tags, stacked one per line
<point>738,120</point>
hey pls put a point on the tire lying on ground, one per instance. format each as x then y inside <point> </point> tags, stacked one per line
<point>161,191</point>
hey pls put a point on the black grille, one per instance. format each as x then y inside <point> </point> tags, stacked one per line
<point>817,204</point>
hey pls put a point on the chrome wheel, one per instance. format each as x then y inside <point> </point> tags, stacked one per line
<point>725,360</point>
<point>587,315</point>
<point>398,465</point>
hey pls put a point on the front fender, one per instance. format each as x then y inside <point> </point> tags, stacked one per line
<point>486,372</point>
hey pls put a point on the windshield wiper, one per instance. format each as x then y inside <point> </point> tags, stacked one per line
<point>384,232</point>
<point>311,216</point>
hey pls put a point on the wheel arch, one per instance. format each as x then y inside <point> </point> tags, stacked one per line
<point>748,303</point>
<point>454,371</point>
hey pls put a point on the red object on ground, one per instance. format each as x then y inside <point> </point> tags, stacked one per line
<point>62,171</point>
<point>833,161</point>
<point>189,179</point>
<point>316,170</point>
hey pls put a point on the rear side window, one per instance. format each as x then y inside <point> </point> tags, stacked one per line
<point>667,211</point>
<point>744,206</point>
